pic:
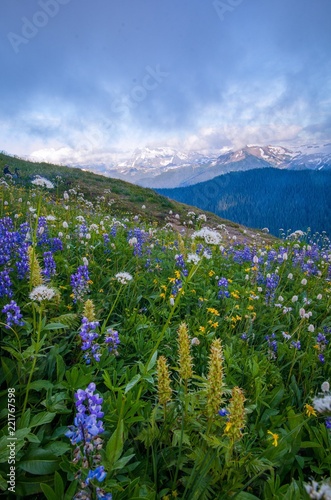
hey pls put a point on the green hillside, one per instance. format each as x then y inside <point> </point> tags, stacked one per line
<point>116,196</point>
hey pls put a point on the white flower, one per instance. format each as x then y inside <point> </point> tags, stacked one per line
<point>322,404</point>
<point>65,196</point>
<point>255,259</point>
<point>210,237</point>
<point>304,281</point>
<point>319,296</point>
<point>65,224</point>
<point>123,278</point>
<point>193,257</point>
<point>195,341</point>
<point>259,289</point>
<point>85,261</point>
<point>290,276</point>
<point>285,256</point>
<point>50,218</point>
<point>133,241</point>
<point>172,301</point>
<point>319,491</point>
<point>42,292</point>
<point>41,181</point>
<point>295,298</point>
<point>302,312</point>
<point>311,328</point>
<point>143,207</point>
<point>286,335</point>
<point>202,217</point>
<point>281,299</point>
<point>325,386</point>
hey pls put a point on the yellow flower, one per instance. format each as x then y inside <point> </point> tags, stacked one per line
<point>202,329</point>
<point>310,410</point>
<point>235,295</point>
<point>228,426</point>
<point>250,308</point>
<point>164,287</point>
<point>213,311</point>
<point>172,280</point>
<point>177,274</point>
<point>162,295</point>
<point>211,273</point>
<point>275,438</point>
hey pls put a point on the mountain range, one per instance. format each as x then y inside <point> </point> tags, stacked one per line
<point>165,167</point>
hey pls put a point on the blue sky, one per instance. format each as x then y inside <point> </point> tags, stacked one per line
<point>82,81</point>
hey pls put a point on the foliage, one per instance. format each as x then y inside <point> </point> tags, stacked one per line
<point>147,364</point>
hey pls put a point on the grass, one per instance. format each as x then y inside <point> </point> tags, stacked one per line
<point>156,361</point>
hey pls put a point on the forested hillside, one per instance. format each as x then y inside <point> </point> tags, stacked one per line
<point>265,198</point>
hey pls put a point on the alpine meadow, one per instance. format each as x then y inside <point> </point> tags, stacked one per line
<point>150,350</point>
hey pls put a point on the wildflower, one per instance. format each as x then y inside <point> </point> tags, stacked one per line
<point>185,359</point>
<point>304,282</point>
<point>223,412</point>
<point>35,269</point>
<point>325,387</point>
<point>195,341</point>
<point>41,293</point>
<point>163,378</point>
<point>5,284</point>
<point>41,181</point>
<point>236,422</point>
<point>223,284</point>
<point>311,328</point>
<point>215,378</point>
<point>275,438</point>
<point>88,311</point>
<point>296,345</point>
<point>320,491</point>
<point>49,265</point>
<point>193,257</point>
<point>79,282</point>
<point>99,474</point>
<point>112,340</point>
<point>123,278</point>
<point>310,410</point>
<point>295,298</point>
<point>14,316</point>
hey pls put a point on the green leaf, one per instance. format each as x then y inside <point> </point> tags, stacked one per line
<point>115,445</point>
<point>55,326</point>
<point>39,385</point>
<point>243,495</point>
<point>152,362</point>
<point>48,492</point>
<point>58,485</point>
<point>69,494</point>
<point>122,462</point>
<point>39,462</point>
<point>42,418</point>
<point>132,383</point>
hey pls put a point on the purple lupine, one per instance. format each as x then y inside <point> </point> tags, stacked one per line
<point>296,345</point>
<point>181,263</point>
<point>5,284</point>
<point>79,282</point>
<point>89,335</point>
<point>14,316</point>
<point>272,344</point>
<point>56,244</point>
<point>42,232</point>
<point>49,265</point>
<point>22,260</point>
<point>223,285</point>
<point>321,343</point>
<point>272,281</point>
<point>112,340</point>
<point>88,412</point>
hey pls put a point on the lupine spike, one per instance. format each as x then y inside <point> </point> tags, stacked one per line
<point>215,378</point>
<point>163,378</point>
<point>185,359</point>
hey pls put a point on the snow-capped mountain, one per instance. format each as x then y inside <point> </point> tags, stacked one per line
<point>164,167</point>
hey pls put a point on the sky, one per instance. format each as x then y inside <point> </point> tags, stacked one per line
<point>87,81</point>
